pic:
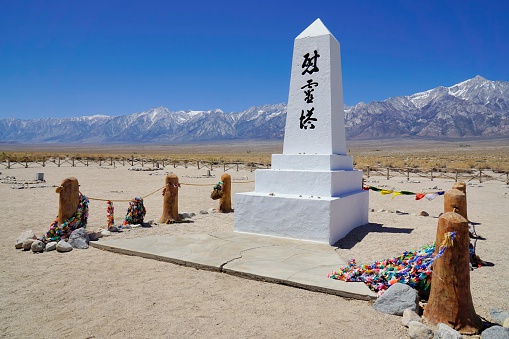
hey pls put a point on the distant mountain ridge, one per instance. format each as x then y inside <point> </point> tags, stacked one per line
<point>474,108</point>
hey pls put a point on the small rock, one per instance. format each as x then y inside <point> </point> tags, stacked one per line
<point>186,215</point>
<point>444,331</point>
<point>381,210</point>
<point>424,214</point>
<point>128,227</point>
<point>371,209</point>
<point>51,246</point>
<point>37,246</point>
<point>495,332</point>
<point>204,212</point>
<point>506,323</point>
<point>151,222</point>
<point>79,239</point>
<point>112,229</point>
<point>135,226</point>
<point>63,246</point>
<point>498,316</point>
<point>24,236</point>
<point>397,299</point>
<point>417,330</point>
<point>105,233</point>
<point>27,244</point>
<point>94,235</point>
<point>410,315</point>
<point>211,210</point>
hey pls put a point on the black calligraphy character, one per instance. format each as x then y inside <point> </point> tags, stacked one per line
<point>309,64</point>
<point>309,92</point>
<point>307,119</point>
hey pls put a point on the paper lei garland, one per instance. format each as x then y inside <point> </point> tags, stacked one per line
<point>135,212</point>
<point>63,231</point>
<point>110,214</point>
<point>412,268</point>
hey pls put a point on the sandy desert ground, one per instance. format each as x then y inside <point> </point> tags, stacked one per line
<point>97,294</point>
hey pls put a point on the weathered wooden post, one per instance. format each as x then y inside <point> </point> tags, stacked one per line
<point>450,300</point>
<point>456,201</point>
<point>69,198</point>
<point>459,185</point>
<point>225,203</point>
<point>170,200</point>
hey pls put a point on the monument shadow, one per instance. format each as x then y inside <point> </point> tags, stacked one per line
<point>357,234</point>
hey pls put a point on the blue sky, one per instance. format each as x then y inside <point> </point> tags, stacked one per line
<point>74,58</point>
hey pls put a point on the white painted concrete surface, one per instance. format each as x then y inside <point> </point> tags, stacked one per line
<point>312,191</point>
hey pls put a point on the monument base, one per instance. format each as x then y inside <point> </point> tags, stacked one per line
<point>324,219</point>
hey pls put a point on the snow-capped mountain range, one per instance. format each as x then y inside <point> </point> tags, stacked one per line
<point>474,108</point>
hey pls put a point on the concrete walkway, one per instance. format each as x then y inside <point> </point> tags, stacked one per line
<point>296,263</point>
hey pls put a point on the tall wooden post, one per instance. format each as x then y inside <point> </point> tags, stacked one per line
<point>225,203</point>
<point>68,201</point>
<point>170,200</point>
<point>459,185</point>
<point>456,201</point>
<point>450,300</point>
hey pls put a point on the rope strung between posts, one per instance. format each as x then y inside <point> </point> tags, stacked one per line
<point>125,200</point>
<point>157,190</point>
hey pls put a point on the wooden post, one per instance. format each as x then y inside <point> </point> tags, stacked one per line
<point>450,300</point>
<point>43,161</point>
<point>73,162</point>
<point>388,173</point>
<point>170,200</point>
<point>59,161</point>
<point>456,179</point>
<point>407,174</point>
<point>198,164</point>
<point>456,201</point>
<point>225,203</point>
<point>8,163</point>
<point>368,172</point>
<point>69,198</point>
<point>432,174</point>
<point>460,186</point>
<point>480,176</point>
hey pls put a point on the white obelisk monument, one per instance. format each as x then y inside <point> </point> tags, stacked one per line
<point>312,191</point>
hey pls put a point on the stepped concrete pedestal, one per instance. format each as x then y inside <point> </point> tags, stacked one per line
<point>312,191</point>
